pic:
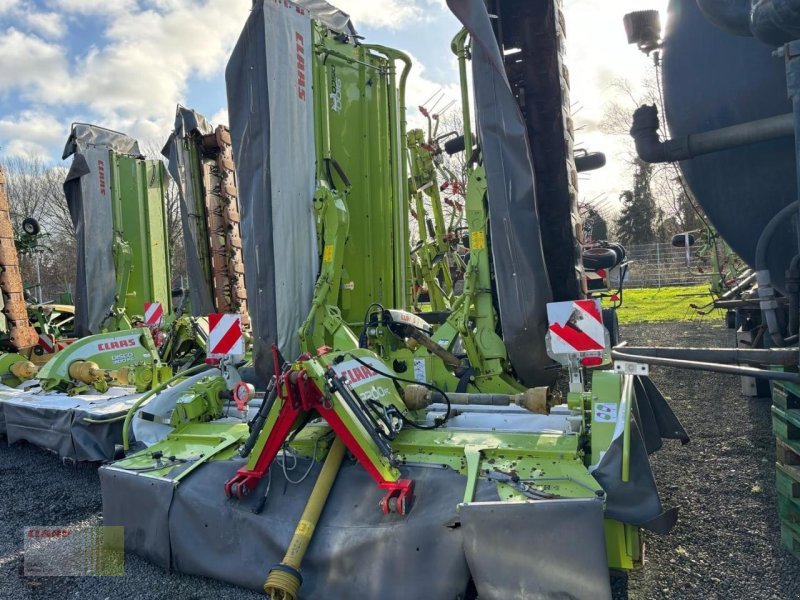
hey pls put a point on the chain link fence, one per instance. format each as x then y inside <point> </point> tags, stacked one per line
<point>663,265</point>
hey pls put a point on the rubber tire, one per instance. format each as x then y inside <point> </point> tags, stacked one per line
<point>730,319</point>
<point>611,323</point>
<point>599,258</point>
<point>31,226</point>
<point>679,240</point>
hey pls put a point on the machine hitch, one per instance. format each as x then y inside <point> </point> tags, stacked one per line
<point>299,394</point>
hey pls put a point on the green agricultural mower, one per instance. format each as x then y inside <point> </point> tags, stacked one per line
<point>73,396</point>
<point>458,461</point>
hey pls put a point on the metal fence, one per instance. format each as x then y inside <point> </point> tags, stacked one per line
<point>662,265</point>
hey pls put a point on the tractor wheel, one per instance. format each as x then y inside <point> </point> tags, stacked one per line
<point>31,226</point>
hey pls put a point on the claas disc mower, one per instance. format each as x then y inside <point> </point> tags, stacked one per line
<point>456,460</point>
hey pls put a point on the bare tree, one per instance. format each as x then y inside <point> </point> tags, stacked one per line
<point>35,189</point>
<point>675,211</point>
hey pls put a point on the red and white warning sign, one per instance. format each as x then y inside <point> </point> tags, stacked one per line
<point>61,344</point>
<point>597,274</point>
<point>576,327</point>
<point>47,343</point>
<point>153,314</point>
<point>224,335</point>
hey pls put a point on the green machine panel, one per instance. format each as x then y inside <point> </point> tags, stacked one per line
<point>140,220</point>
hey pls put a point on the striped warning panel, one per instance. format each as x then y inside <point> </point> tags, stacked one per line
<point>576,327</point>
<point>224,335</point>
<point>47,343</point>
<point>153,314</point>
<point>598,274</point>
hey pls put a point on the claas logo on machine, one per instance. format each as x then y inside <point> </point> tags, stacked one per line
<point>117,344</point>
<point>356,373</point>
<point>301,65</point>
<point>101,175</point>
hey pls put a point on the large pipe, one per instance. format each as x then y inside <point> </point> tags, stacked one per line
<point>774,22</point>
<point>748,279</point>
<point>732,16</point>
<point>766,293</point>
<point>719,355</point>
<point>706,366</point>
<point>651,149</point>
<point>284,580</point>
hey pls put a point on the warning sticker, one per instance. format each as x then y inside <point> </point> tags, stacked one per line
<point>419,369</point>
<point>477,240</point>
<point>605,412</point>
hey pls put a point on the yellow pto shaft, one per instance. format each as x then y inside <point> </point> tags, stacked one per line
<point>284,580</point>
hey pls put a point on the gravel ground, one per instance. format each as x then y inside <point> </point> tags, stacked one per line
<point>726,544</point>
<point>727,540</point>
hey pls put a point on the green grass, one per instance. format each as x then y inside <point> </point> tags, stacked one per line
<point>649,305</point>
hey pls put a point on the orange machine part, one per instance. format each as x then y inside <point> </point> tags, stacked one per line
<point>222,212</point>
<point>20,332</point>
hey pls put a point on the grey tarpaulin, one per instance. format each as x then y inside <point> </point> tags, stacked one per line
<point>540,549</point>
<point>55,421</point>
<point>329,15</point>
<point>88,191</point>
<point>145,519</point>
<point>177,155</point>
<point>637,501</point>
<point>356,551</point>
<point>655,416</point>
<point>523,287</point>
<point>272,128</point>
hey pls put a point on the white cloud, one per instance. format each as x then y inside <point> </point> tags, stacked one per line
<point>6,5</point>
<point>31,65</point>
<point>134,81</point>
<point>420,89</point>
<point>391,14</point>
<point>47,24</point>
<point>143,72</point>
<point>96,7</point>
<point>31,133</point>
<point>219,118</point>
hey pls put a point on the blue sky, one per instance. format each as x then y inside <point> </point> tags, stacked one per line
<point>125,64</point>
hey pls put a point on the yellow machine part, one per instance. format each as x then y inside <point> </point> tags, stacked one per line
<point>86,371</point>
<point>20,332</point>
<point>23,370</point>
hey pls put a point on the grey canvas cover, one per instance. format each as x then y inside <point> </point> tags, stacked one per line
<point>88,192</point>
<point>329,15</point>
<point>637,501</point>
<point>57,422</point>
<point>177,155</point>
<point>356,551</point>
<point>522,284</point>
<point>272,125</point>
<point>540,549</point>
